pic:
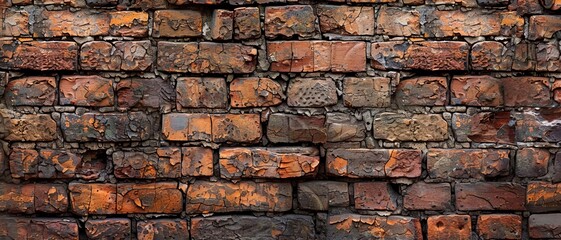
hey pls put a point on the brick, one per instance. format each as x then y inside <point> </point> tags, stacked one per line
<point>472,23</point>
<point>398,127</point>
<point>491,56</point>
<point>99,55</point>
<point>28,127</point>
<point>39,228</point>
<point>47,163</point>
<point>346,20</point>
<point>320,195</point>
<point>144,93</point>
<point>355,226</point>
<point>552,4</point>
<point>173,229</point>
<point>366,92</point>
<point>492,127</point>
<point>170,162</point>
<point>538,125</point>
<point>314,56</point>
<point>490,196</point>
<point>128,24</point>
<point>449,164</point>
<point>198,92</point>
<point>422,91</point>
<point>23,163</point>
<point>91,91</point>
<point>116,228</point>
<point>207,197</point>
<point>160,197</point>
<point>93,198</point>
<point>206,57</point>
<point>186,127</point>
<point>395,21</point>
<point>556,168</point>
<point>285,162</point>
<point>548,56</point>
<point>106,127</point>
<point>247,23</point>
<point>428,196</point>
<point>135,165</point>
<point>517,90</point>
<point>177,23</point>
<point>524,56</point>
<point>375,196</point>
<point>31,91</point>
<point>236,128</point>
<point>499,226</point>
<point>484,91</point>
<point>307,92</point>
<point>67,23</point>
<point>72,3</point>
<point>33,198</point>
<point>343,127</point>
<point>15,22</point>
<point>135,55</point>
<point>449,227</point>
<point>543,26</point>
<point>279,227</point>
<point>429,55</point>
<point>255,92</point>
<point>221,25</point>
<point>532,162</point>
<point>556,90</point>
<point>543,197</point>
<point>197,161</point>
<point>544,225</point>
<point>282,22</point>
<point>39,55</point>
<point>288,128</point>
<point>374,163</point>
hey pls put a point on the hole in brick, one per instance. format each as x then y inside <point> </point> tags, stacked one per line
<point>93,164</point>
<point>439,224</point>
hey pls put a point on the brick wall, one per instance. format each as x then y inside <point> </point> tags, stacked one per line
<point>280,119</point>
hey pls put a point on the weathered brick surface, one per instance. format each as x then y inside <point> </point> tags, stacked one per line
<point>398,127</point>
<point>39,55</point>
<point>320,195</point>
<point>449,164</point>
<point>375,196</point>
<point>449,227</point>
<point>422,91</point>
<point>161,197</point>
<point>427,196</point>
<point>118,127</point>
<point>491,127</point>
<point>543,196</point>
<point>366,92</point>
<point>31,91</point>
<point>177,23</point>
<point>544,225</point>
<point>499,226</point>
<point>39,228</point>
<point>355,226</point>
<point>374,163</point>
<point>255,92</point>
<point>289,21</point>
<point>476,91</point>
<point>116,228</point>
<point>28,127</point>
<point>86,91</point>
<point>490,196</point>
<point>346,20</point>
<point>247,24</point>
<point>311,93</point>
<point>289,128</point>
<point>162,228</point>
<point>195,92</point>
<point>121,55</point>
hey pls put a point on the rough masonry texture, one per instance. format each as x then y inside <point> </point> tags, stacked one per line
<point>280,119</point>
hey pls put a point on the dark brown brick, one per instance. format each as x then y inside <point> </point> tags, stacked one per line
<point>491,127</point>
<point>196,161</point>
<point>422,91</point>
<point>106,127</point>
<point>39,55</point>
<point>428,196</point>
<point>532,162</point>
<point>543,197</point>
<point>144,93</point>
<point>39,228</point>
<point>288,128</point>
<point>545,225</point>
<point>396,21</point>
<point>290,21</point>
<point>499,226</point>
<point>28,127</point>
<point>420,127</point>
<point>354,226</point>
<point>222,25</point>
<point>31,91</point>
<point>476,91</point>
<point>91,91</point>
<point>538,125</point>
<point>110,228</point>
<point>320,195</point>
<point>490,196</point>
<point>247,24</point>
<point>172,229</point>
<point>198,92</point>
<point>70,23</point>
<point>492,56</point>
<point>366,92</point>
<point>374,163</point>
<point>449,164</point>
<point>543,26</point>
<point>375,196</point>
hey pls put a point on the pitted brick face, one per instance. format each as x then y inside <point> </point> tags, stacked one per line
<point>280,119</point>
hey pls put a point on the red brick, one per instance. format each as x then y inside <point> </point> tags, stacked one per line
<point>39,55</point>
<point>429,55</point>
<point>518,89</point>
<point>255,92</point>
<point>222,25</point>
<point>177,23</point>
<point>499,226</point>
<point>282,22</point>
<point>343,127</point>
<point>492,127</point>
<point>250,227</point>
<point>31,91</point>
<point>532,162</point>
<point>28,127</point>
<point>73,3</point>
<point>128,24</point>
<point>289,128</point>
<point>449,227</point>
<point>545,225</point>
<point>543,197</point>
<point>198,92</point>
<point>186,127</point>
<point>422,91</point>
<point>206,57</point>
<point>548,57</point>
<point>490,196</point>
<point>107,127</point>
<point>160,197</point>
<point>375,196</point>
<point>92,91</point>
<point>307,92</point>
<point>93,198</point>
<point>67,23</point>
<point>196,161</point>
<point>476,91</point>
<point>247,23</point>
<point>491,56</point>
<point>162,229</point>
<point>524,56</point>
<point>320,195</point>
<point>135,55</point>
<point>208,197</point>
<point>366,92</point>
<point>145,93</point>
<point>543,26</point>
<point>449,164</point>
<point>110,228</point>
<point>472,23</point>
<point>395,21</point>
<point>427,196</point>
<point>346,20</point>
<point>348,56</point>
<point>15,22</point>
<point>236,163</point>
<point>354,226</point>
<point>420,127</point>
<point>374,163</point>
